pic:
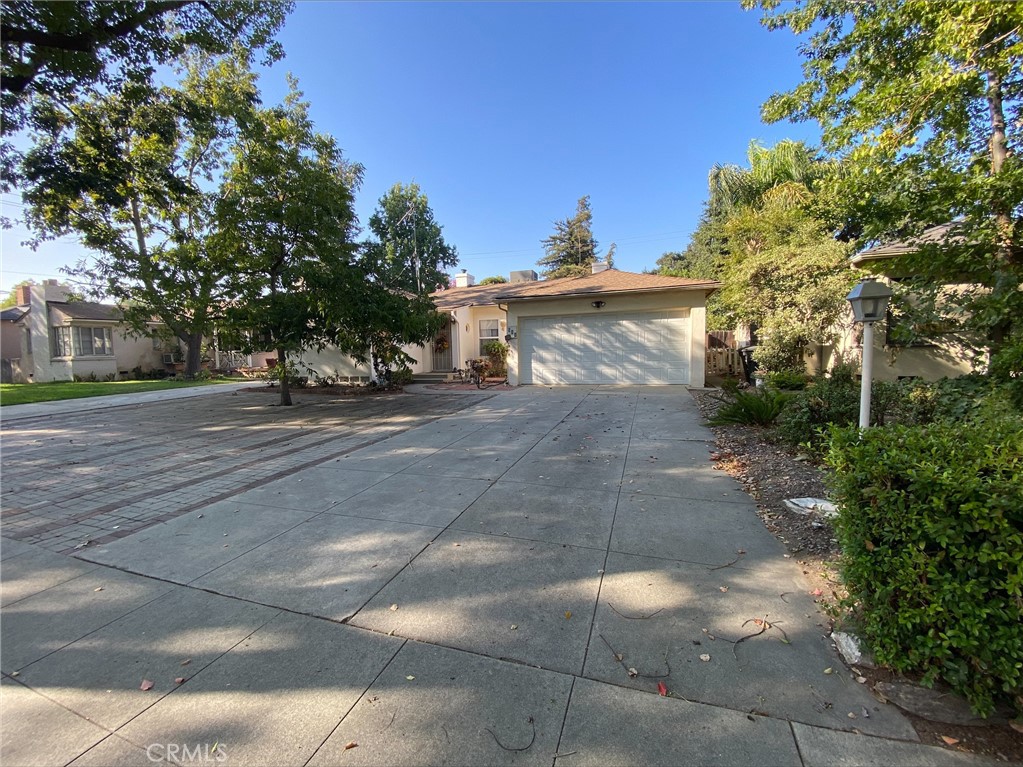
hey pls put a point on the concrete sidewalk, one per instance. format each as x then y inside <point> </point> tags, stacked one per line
<point>86,404</point>
<point>507,584</point>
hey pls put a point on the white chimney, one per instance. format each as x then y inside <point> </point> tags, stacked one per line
<point>53,290</point>
<point>464,280</point>
<point>599,266</point>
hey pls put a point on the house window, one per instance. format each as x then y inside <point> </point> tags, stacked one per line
<point>83,342</point>
<point>489,330</point>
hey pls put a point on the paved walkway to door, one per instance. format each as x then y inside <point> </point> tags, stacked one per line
<point>548,576</point>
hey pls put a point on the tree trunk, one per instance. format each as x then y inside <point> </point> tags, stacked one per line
<point>999,153</point>
<point>193,355</point>
<point>283,367</point>
<point>1002,214</point>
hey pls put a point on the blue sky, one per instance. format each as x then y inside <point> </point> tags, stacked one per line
<point>506,114</point>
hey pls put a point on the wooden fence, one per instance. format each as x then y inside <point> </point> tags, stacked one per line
<point>724,362</point>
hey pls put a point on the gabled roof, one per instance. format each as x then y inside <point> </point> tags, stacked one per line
<point>86,310</point>
<point>13,313</point>
<point>477,295</point>
<point>930,236</point>
<point>608,281</point>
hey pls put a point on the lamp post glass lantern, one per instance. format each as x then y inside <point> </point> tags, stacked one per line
<point>869,301</point>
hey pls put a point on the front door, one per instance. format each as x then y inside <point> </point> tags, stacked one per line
<point>441,349</point>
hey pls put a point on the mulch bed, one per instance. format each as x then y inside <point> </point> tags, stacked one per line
<point>330,391</point>
<point>491,384</point>
<point>771,472</point>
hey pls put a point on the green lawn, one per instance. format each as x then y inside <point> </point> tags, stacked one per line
<point>19,394</point>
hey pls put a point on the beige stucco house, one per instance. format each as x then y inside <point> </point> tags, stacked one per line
<point>48,337</point>
<point>607,327</point>
<point>939,355</point>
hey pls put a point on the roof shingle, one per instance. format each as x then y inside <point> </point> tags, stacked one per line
<point>86,310</point>
<point>930,236</point>
<point>608,281</point>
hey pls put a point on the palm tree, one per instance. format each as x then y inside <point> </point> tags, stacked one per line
<point>784,173</point>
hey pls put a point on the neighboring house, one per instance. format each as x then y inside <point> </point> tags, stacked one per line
<point>46,337</point>
<point>608,327</point>
<point>10,344</point>
<point>937,357</point>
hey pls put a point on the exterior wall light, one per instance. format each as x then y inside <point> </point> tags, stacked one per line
<point>597,304</point>
<point>869,300</point>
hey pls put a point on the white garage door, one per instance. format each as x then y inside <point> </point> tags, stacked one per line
<point>641,348</point>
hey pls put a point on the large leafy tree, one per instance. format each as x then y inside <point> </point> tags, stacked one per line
<point>405,262</point>
<point>286,215</point>
<point>788,277</point>
<point>135,174</point>
<point>60,50</point>
<point>923,103</point>
<point>571,250</point>
<point>703,256</point>
<point>408,251</point>
<point>762,235</point>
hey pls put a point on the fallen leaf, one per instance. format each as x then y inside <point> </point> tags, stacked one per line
<point>851,715</point>
<point>393,608</point>
<point>568,614</point>
<point>723,589</point>
<point>829,670</point>
<point>949,741</point>
<point>705,657</point>
<point>186,662</point>
<point>179,680</point>
<point>861,679</point>
<point>619,657</point>
<point>98,588</point>
<point>350,744</point>
<point>1017,724</point>
<point>817,592</point>
<point>410,677</point>
<point>662,689</point>
<point>146,685</point>
<point>633,672</point>
<point>870,545</point>
<point>514,627</point>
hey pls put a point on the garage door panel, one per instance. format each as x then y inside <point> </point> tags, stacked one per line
<point>613,348</point>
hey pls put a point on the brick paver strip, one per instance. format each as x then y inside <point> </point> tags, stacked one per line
<point>52,499</point>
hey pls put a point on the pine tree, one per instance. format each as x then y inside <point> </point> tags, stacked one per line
<point>571,249</point>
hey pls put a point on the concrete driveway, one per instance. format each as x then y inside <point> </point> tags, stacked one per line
<point>412,580</point>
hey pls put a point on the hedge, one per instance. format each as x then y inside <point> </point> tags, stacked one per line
<point>931,531</point>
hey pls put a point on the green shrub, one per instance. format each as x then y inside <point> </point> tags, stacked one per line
<point>401,376</point>
<point>788,380</point>
<point>497,355</point>
<point>829,401</point>
<point>760,406</point>
<point>931,531</point>
<point>835,401</point>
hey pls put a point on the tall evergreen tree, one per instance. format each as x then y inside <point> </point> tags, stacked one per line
<point>571,249</point>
